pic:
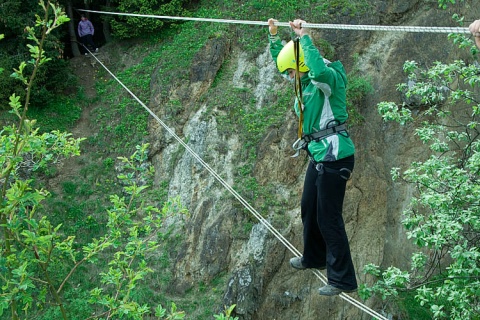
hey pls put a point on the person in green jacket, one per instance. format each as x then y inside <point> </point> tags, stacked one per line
<point>331,152</point>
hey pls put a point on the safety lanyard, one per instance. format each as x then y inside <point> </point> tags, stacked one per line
<point>298,86</point>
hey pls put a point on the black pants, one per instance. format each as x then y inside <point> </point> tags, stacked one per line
<point>87,41</point>
<point>324,235</point>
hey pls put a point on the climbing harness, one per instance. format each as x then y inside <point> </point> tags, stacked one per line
<point>303,141</point>
<point>319,135</point>
<point>344,173</point>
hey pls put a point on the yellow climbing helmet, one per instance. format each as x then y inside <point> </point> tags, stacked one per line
<point>286,59</point>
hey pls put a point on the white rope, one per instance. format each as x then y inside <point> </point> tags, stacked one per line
<point>252,210</point>
<point>306,25</point>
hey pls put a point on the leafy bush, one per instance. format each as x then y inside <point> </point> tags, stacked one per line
<point>442,219</point>
<point>51,78</point>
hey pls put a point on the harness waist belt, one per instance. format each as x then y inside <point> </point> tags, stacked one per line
<point>324,133</point>
<point>316,136</point>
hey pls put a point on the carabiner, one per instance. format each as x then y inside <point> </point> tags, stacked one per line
<point>297,147</point>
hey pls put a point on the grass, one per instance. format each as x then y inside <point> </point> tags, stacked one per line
<point>210,293</point>
<point>61,114</point>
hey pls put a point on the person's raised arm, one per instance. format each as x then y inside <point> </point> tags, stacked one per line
<point>275,41</point>
<point>272,28</point>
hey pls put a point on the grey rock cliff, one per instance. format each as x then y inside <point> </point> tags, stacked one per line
<point>261,282</point>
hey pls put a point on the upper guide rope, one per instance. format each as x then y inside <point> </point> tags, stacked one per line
<point>306,25</point>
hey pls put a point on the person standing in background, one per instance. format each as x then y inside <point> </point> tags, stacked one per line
<point>85,32</point>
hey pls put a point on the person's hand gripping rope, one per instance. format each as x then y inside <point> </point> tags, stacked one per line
<point>475,30</point>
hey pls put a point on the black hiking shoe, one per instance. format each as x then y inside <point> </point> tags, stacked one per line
<point>330,290</point>
<point>297,263</point>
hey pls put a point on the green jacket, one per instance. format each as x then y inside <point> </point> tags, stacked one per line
<point>324,90</point>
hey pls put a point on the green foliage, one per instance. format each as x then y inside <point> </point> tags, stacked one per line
<point>227,314</point>
<point>30,240</point>
<point>445,3</point>
<point>387,287</point>
<point>133,239</point>
<point>50,78</point>
<point>15,15</point>
<point>6,81</point>
<point>131,27</point>
<point>38,259</point>
<point>358,88</point>
<point>174,314</point>
<point>407,305</point>
<point>462,40</point>
<point>443,216</point>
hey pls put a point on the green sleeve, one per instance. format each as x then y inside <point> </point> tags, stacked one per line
<point>314,61</point>
<point>275,46</point>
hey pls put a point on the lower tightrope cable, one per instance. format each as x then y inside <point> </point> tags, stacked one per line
<point>262,220</point>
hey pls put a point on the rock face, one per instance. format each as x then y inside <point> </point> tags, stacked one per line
<point>261,282</point>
